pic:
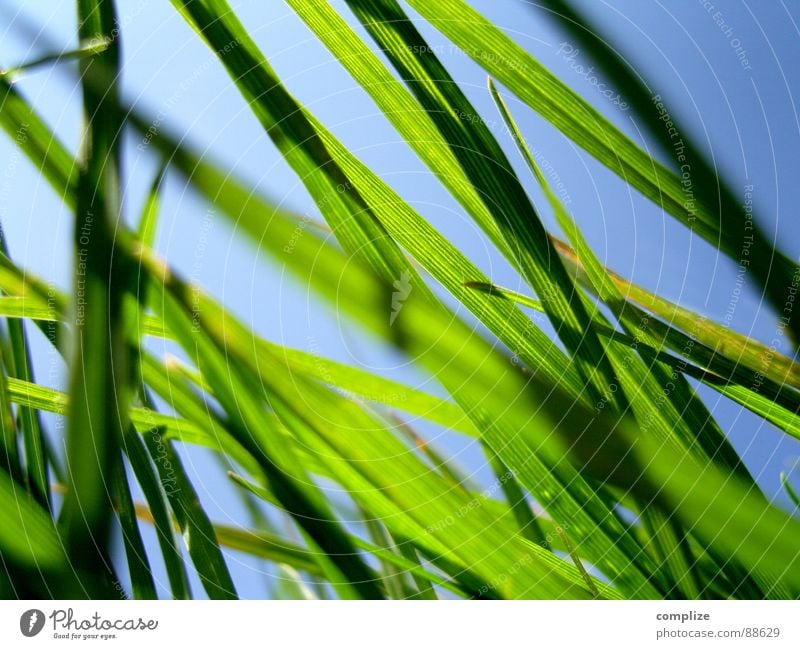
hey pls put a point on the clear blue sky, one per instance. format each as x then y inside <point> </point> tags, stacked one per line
<point>746,110</point>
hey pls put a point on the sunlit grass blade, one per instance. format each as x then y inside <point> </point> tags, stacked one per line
<point>476,157</point>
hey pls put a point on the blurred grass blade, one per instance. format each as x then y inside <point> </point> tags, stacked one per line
<point>98,369</point>
<point>27,534</point>
<point>373,387</point>
<point>148,220</point>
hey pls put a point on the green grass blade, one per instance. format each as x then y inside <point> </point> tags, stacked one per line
<point>743,238</point>
<point>198,533</point>
<point>86,50</point>
<point>21,367</point>
<point>484,167</point>
<point>141,573</point>
<point>27,534</point>
<point>790,490</point>
<point>523,75</point>
<point>98,380</point>
<point>28,130</point>
<point>153,490</point>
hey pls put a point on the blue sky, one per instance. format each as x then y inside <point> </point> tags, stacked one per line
<point>743,113</point>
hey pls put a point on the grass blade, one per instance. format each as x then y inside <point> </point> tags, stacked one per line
<point>523,75</point>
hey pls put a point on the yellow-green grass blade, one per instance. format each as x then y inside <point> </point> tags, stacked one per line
<point>727,352</point>
<point>84,51</point>
<point>36,396</point>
